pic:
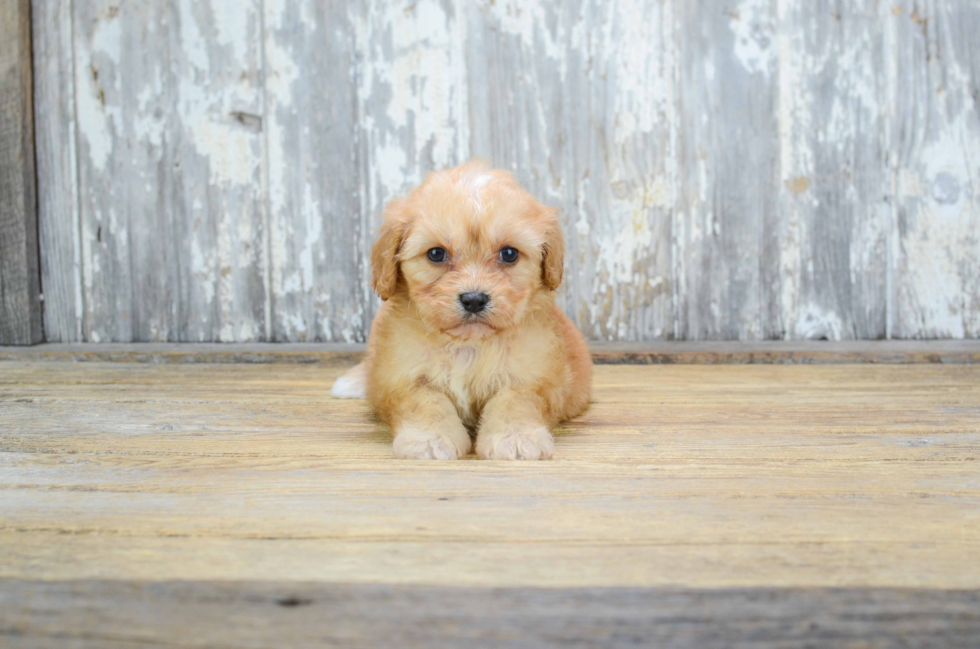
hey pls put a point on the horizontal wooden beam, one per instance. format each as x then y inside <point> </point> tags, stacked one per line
<point>85,613</point>
<point>663,353</point>
<point>20,278</point>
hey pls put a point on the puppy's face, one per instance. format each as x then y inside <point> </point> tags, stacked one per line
<point>471,249</point>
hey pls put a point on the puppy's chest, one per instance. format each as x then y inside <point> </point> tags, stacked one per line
<point>469,376</point>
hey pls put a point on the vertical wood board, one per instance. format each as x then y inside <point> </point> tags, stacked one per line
<point>727,245</point>
<point>834,183</point>
<point>169,110</point>
<point>744,169</point>
<point>57,170</point>
<point>20,290</point>
<point>933,91</point>
<point>578,99</point>
<point>318,278</point>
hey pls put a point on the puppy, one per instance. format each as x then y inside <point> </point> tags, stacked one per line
<point>469,337</point>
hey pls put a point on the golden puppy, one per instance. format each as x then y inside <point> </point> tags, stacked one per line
<point>469,337</point>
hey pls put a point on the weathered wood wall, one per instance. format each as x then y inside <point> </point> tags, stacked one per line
<point>215,169</point>
<point>20,278</point>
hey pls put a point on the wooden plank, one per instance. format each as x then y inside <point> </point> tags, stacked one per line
<point>690,507</point>
<point>58,555</point>
<point>649,353</point>
<point>835,189</point>
<point>728,476</point>
<point>57,170</point>
<point>411,104</point>
<point>20,288</point>
<point>319,234</point>
<point>787,352</point>
<point>169,126</point>
<point>215,51</point>
<point>745,170</point>
<point>933,79</point>
<point>339,354</point>
<point>728,279</point>
<point>41,614</point>
<point>578,99</point>
<point>117,216</point>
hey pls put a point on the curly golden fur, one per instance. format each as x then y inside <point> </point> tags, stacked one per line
<point>438,371</point>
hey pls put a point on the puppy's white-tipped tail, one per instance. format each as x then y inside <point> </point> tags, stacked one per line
<point>352,385</point>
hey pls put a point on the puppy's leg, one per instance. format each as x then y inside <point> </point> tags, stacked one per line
<point>427,427</point>
<point>513,427</point>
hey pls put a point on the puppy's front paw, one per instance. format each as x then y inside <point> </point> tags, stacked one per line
<point>533,442</point>
<point>416,444</point>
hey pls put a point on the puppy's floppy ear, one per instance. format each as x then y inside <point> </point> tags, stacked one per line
<point>553,261</point>
<point>384,252</point>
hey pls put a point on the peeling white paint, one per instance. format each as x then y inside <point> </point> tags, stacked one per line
<point>814,323</point>
<point>937,250</point>
<point>616,258</point>
<point>596,127</point>
<point>412,92</point>
<point>644,91</point>
<point>280,74</point>
<point>528,21</point>
<point>193,45</point>
<point>796,160</point>
<point>753,27</point>
<point>203,269</point>
<point>231,27</point>
<point>294,323</point>
<point>391,168</point>
<point>98,119</point>
<point>150,126</point>
<point>205,112</point>
<point>943,219</point>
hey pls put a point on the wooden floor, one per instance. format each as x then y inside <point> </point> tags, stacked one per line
<point>692,506</point>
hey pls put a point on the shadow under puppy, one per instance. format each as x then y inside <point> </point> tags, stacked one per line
<point>469,337</point>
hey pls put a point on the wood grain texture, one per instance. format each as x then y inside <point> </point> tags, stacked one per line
<point>692,506</point>
<point>835,184</point>
<point>747,169</point>
<point>20,277</point>
<point>894,352</point>
<point>578,99</point>
<point>318,230</point>
<point>728,247</point>
<point>101,614</point>
<point>412,107</point>
<point>701,477</point>
<point>934,95</point>
<point>57,170</point>
<point>169,104</point>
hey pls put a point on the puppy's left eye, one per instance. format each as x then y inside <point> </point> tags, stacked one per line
<point>436,255</point>
<point>509,255</point>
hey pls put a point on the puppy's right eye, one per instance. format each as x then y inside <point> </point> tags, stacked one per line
<point>436,255</point>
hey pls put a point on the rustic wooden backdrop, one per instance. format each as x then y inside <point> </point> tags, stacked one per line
<point>215,169</point>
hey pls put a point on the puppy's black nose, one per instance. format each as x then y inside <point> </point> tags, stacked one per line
<point>474,302</point>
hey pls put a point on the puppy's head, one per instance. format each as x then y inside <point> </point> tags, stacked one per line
<point>470,249</point>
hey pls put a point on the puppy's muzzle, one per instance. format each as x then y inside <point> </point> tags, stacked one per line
<point>474,302</point>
